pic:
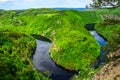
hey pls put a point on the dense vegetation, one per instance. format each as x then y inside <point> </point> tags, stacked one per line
<point>15,57</point>
<point>109,27</point>
<point>71,42</point>
<point>73,47</point>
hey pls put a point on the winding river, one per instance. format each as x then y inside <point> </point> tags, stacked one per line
<point>102,42</point>
<point>100,39</point>
<point>43,63</point>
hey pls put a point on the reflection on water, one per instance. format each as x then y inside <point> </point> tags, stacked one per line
<point>44,63</point>
<point>102,59</point>
<point>100,40</point>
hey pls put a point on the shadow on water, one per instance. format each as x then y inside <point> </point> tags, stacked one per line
<point>43,62</point>
<point>91,27</point>
<point>102,42</point>
<point>39,37</point>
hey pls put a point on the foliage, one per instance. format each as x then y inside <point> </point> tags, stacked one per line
<point>111,32</point>
<point>85,74</point>
<point>64,51</point>
<point>34,12</point>
<point>71,42</point>
<point>114,41</point>
<point>109,27</point>
<point>108,19</point>
<point>89,16</point>
<point>109,22</point>
<point>15,57</point>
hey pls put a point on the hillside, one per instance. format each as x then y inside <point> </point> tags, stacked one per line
<point>109,27</point>
<point>73,47</point>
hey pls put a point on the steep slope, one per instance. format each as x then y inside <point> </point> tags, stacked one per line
<point>109,27</point>
<point>71,42</point>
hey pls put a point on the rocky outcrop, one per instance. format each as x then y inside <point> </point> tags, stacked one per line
<point>110,17</point>
<point>110,71</point>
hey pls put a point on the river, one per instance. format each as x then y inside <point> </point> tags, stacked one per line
<point>45,64</point>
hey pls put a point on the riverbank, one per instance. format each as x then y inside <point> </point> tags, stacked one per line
<point>15,57</point>
<point>73,47</point>
<point>111,71</point>
<point>109,27</point>
<point>71,42</point>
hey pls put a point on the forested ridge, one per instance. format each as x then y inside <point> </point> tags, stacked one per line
<point>73,47</point>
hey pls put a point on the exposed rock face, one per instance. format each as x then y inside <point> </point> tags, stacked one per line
<point>110,71</point>
<point>110,17</point>
<point>114,54</point>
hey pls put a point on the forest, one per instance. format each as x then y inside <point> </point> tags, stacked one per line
<point>73,47</point>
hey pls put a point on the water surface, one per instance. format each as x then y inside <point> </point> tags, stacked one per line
<point>100,39</point>
<point>45,64</point>
<point>102,42</point>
